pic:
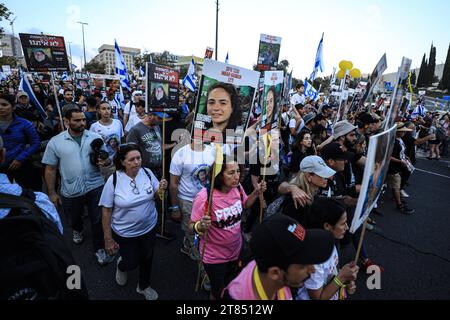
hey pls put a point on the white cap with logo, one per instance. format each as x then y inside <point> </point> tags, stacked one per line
<point>316,165</point>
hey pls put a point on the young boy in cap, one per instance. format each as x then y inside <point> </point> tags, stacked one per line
<point>285,254</point>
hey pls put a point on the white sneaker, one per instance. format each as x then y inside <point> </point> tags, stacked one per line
<point>121,276</point>
<point>404,194</point>
<point>148,293</point>
<point>77,237</point>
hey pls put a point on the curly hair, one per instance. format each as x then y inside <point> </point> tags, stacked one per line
<point>236,114</point>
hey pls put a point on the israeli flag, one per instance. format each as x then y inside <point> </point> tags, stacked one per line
<point>226,59</point>
<point>318,64</point>
<point>65,76</point>
<point>121,97</point>
<point>74,67</point>
<point>141,71</point>
<point>121,68</point>
<point>25,86</point>
<point>3,76</point>
<point>189,80</point>
<point>310,91</point>
<point>419,111</point>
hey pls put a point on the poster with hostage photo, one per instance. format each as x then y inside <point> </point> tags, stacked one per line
<point>200,176</point>
<point>162,86</point>
<point>375,173</point>
<point>44,53</point>
<point>269,52</point>
<point>271,100</point>
<point>226,94</point>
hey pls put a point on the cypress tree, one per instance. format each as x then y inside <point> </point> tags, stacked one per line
<point>422,73</point>
<point>445,82</point>
<point>431,66</point>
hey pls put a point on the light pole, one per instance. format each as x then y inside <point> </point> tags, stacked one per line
<point>84,47</point>
<point>217,26</point>
<point>13,39</point>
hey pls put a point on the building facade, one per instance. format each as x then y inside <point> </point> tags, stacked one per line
<point>10,46</point>
<point>106,55</point>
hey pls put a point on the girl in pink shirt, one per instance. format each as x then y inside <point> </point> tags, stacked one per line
<point>224,238</point>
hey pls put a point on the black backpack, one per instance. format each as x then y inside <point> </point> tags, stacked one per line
<point>34,257</point>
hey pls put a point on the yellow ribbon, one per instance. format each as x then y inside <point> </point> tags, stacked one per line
<point>219,159</point>
<point>260,289</point>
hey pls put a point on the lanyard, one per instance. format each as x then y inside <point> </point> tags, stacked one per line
<point>259,287</point>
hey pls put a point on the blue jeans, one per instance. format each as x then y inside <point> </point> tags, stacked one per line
<point>74,207</point>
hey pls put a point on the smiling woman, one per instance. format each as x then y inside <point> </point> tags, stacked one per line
<point>224,107</point>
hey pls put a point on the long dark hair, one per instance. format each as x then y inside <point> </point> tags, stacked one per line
<point>236,114</point>
<point>122,154</point>
<point>275,110</point>
<point>325,210</point>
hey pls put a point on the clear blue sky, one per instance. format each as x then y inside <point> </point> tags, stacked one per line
<point>360,31</point>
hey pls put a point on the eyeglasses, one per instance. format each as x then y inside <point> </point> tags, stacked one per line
<point>134,186</point>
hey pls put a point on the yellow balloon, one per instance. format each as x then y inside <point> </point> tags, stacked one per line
<point>355,73</point>
<point>342,64</point>
<point>341,74</point>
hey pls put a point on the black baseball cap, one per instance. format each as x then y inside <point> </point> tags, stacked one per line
<point>334,151</point>
<point>280,241</point>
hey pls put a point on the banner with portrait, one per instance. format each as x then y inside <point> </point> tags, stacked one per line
<point>83,80</point>
<point>269,52</point>
<point>375,172</point>
<point>271,100</point>
<point>225,97</point>
<point>44,53</point>
<point>209,53</point>
<point>401,87</point>
<point>374,78</point>
<point>162,88</point>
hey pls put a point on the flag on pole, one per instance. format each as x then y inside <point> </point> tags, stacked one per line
<point>189,80</point>
<point>74,67</point>
<point>310,91</point>
<point>419,111</point>
<point>141,71</point>
<point>318,64</point>
<point>121,68</point>
<point>65,76</point>
<point>226,59</point>
<point>25,86</point>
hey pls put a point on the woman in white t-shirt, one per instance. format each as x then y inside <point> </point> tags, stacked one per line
<point>328,282</point>
<point>137,116</point>
<point>111,130</point>
<point>130,217</point>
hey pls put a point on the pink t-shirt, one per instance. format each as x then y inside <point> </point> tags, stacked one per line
<point>224,239</point>
<point>241,288</point>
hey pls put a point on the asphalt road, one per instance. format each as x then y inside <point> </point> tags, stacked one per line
<point>414,251</point>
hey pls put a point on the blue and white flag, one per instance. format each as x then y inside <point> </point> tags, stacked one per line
<point>121,98</point>
<point>420,110</point>
<point>226,59</point>
<point>189,80</point>
<point>310,91</point>
<point>318,64</point>
<point>25,86</point>
<point>121,68</point>
<point>141,71</point>
<point>74,67</point>
<point>65,76</point>
<point>3,77</point>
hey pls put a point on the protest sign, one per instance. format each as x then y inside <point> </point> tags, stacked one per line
<point>375,172</point>
<point>269,52</point>
<point>271,100</point>
<point>82,81</point>
<point>209,53</point>
<point>6,70</point>
<point>211,121</point>
<point>44,53</point>
<point>162,89</point>
<point>401,86</point>
<point>374,78</point>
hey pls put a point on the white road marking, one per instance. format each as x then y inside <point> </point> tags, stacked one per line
<point>433,173</point>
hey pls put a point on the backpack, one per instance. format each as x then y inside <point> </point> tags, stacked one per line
<point>34,257</point>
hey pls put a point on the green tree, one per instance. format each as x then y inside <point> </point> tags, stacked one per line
<point>94,67</point>
<point>445,81</point>
<point>431,66</point>
<point>421,79</point>
<point>11,61</point>
<point>4,14</point>
<point>283,65</point>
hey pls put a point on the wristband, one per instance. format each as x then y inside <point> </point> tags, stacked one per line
<point>338,282</point>
<point>196,227</point>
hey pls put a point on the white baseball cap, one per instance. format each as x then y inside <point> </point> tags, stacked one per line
<point>316,165</point>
